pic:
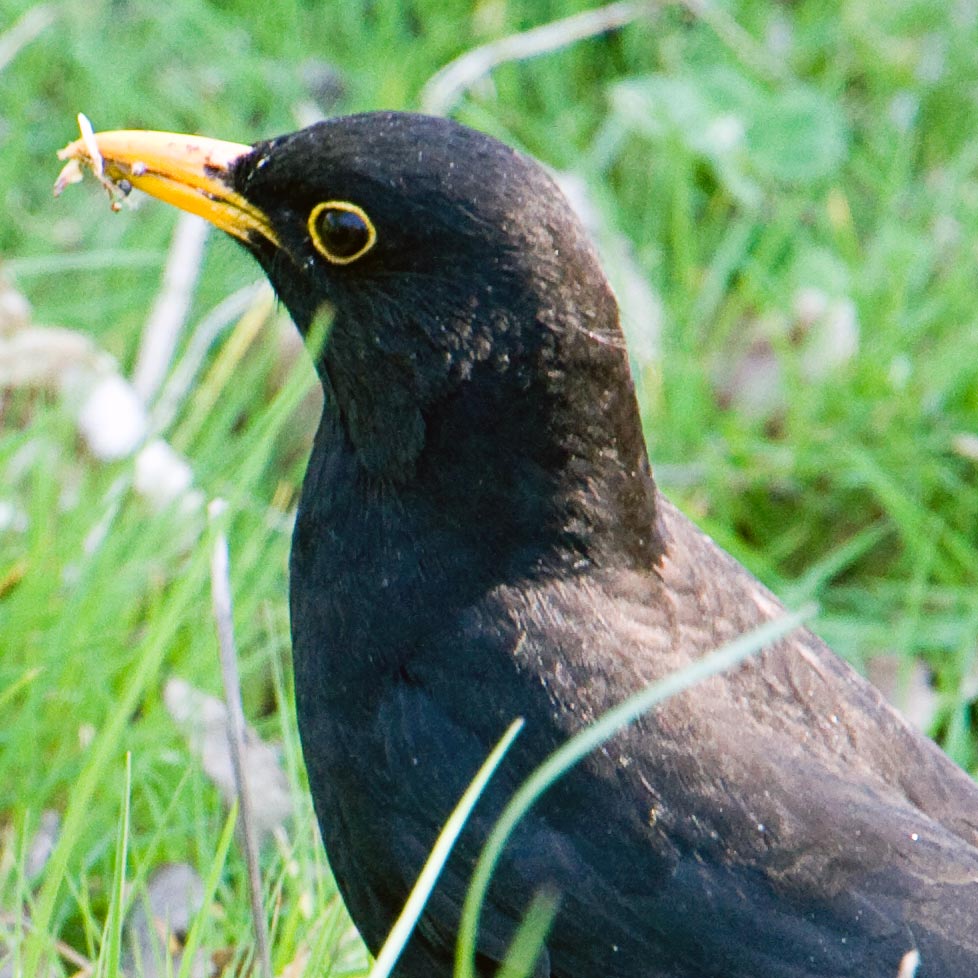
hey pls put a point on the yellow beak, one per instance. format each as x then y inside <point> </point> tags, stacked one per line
<point>190,172</point>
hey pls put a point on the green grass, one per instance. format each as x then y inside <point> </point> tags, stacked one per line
<point>830,147</point>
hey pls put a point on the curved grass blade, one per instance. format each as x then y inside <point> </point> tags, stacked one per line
<point>110,952</point>
<point>435,862</point>
<point>521,956</point>
<point>204,915</point>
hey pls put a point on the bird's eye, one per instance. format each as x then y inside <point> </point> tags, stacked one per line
<point>341,231</point>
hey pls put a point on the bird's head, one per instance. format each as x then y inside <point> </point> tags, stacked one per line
<point>439,262</point>
<point>435,233</point>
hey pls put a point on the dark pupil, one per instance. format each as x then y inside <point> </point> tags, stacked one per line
<point>343,232</point>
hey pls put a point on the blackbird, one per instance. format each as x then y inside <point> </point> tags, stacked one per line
<point>479,537</point>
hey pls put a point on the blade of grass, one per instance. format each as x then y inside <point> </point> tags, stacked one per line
<point>835,562</point>
<point>210,888</point>
<point>446,87</point>
<point>110,951</point>
<point>521,958</point>
<point>169,314</point>
<point>177,388</point>
<point>91,261</point>
<point>414,906</point>
<point>17,685</point>
<point>587,740</point>
<point>221,597</point>
<point>221,371</point>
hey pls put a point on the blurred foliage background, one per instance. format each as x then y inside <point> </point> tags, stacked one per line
<point>786,198</point>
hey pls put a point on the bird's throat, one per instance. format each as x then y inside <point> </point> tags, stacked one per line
<point>525,473</point>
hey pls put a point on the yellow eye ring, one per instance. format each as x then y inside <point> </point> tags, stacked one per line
<point>341,231</point>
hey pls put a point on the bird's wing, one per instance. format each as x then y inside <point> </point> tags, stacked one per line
<point>799,691</point>
<point>788,784</point>
<point>786,803</point>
